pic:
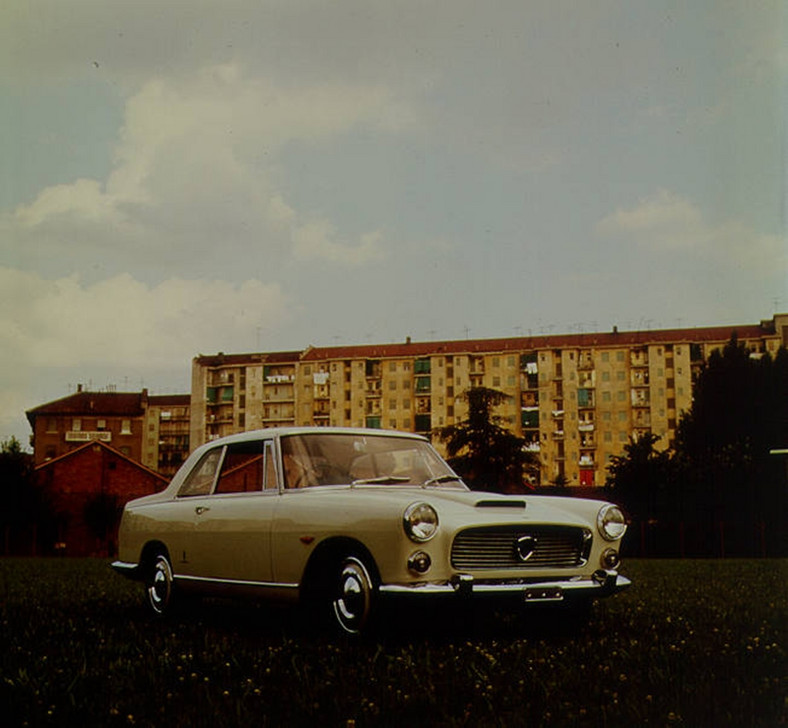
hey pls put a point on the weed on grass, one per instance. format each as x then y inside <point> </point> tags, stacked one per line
<point>696,643</point>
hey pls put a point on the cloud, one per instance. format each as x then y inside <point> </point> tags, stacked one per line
<point>121,320</point>
<point>196,176</point>
<point>666,223</point>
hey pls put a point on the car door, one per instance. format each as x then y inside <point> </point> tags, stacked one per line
<point>232,539</point>
<point>183,512</point>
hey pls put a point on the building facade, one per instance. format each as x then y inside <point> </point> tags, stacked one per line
<point>576,399</point>
<point>152,430</point>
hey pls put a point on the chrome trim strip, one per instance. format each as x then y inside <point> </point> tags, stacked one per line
<point>614,583</point>
<point>125,568</point>
<point>235,582</point>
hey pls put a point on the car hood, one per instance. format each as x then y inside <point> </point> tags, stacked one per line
<point>467,506</point>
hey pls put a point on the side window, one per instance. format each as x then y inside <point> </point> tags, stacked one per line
<point>200,480</point>
<point>242,468</point>
<point>270,467</point>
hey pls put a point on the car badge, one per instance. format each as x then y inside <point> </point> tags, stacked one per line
<point>525,547</point>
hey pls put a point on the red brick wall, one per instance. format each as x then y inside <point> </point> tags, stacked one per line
<point>72,483</point>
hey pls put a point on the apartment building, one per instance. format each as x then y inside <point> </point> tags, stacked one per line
<point>149,429</point>
<point>575,398</point>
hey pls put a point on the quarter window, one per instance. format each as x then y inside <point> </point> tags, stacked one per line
<point>200,479</point>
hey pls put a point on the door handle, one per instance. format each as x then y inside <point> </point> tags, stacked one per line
<point>199,510</point>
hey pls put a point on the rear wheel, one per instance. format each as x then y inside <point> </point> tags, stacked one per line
<point>159,584</point>
<point>353,595</point>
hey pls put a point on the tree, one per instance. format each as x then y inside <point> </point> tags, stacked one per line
<point>485,454</point>
<point>20,504</point>
<point>720,477</point>
<point>641,478</point>
<point>739,413</point>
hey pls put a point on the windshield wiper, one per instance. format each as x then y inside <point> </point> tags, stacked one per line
<point>382,480</point>
<point>441,479</point>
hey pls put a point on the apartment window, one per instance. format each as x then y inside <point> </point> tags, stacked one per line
<point>76,425</point>
<point>621,396</point>
<point>496,381</point>
<point>608,437</point>
<point>392,366</point>
<point>393,384</point>
<point>619,356</point>
<point>511,361</point>
<point>605,356</point>
<point>622,436</point>
<point>605,396</point>
<point>605,376</point>
<point>125,427</point>
<point>621,376</point>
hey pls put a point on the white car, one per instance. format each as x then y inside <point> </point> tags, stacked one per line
<point>342,518</point>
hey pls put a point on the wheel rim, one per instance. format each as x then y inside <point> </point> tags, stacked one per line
<point>159,588</point>
<point>354,596</point>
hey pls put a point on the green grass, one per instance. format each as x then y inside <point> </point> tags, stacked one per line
<point>697,643</point>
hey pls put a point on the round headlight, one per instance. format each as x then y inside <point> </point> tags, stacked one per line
<point>420,521</point>
<point>611,522</point>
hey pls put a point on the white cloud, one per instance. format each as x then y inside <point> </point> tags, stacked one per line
<point>121,320</point>
<point>668,223</point>
<point>316,241</point>
<point>196,167</point>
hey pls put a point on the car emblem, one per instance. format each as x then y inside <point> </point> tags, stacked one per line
<point>525,547</point>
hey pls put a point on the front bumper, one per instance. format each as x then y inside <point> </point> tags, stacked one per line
<point>601,584</point>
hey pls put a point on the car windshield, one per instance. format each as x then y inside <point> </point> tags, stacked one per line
<point>361,459</point>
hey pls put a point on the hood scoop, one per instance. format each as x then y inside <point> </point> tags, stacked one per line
<point>500,504</point>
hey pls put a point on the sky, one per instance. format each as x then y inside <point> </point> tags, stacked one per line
<point>184,178</point>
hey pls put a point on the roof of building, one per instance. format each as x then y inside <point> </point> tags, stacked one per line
<point>409,349</point>
<point>99,403</point>
<point>93,443</point>
<point>529,343</point>
<point>272,357</point>
<point>172,400</point>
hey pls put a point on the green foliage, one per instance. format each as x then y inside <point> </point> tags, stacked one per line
<point>720,469</point>
<point>487,455</point>
<point>16,481</point>
<point>694,643</point>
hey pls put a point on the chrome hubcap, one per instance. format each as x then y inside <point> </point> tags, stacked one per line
<point>160,586</point>
<point>352,603</point>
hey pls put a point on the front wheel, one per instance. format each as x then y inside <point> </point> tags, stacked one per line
<point>353,595</point>
<point>159,585</point>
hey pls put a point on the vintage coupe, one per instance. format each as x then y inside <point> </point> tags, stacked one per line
<point>340,518</point>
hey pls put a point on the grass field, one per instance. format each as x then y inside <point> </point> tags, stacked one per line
<point>696,643</point>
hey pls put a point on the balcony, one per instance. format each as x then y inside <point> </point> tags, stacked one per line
<point>584,426</point>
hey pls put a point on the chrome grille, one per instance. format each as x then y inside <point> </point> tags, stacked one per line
<point>496,547</point>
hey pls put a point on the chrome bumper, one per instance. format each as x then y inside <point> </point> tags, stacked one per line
<point>600,584</point>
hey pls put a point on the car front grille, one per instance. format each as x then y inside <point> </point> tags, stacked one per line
<point>519,547</point>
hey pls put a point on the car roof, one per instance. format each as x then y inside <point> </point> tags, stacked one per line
<point>282,431</point>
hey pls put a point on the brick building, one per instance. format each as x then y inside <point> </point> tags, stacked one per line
<point>152,430</point>
<point>85,489</point>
